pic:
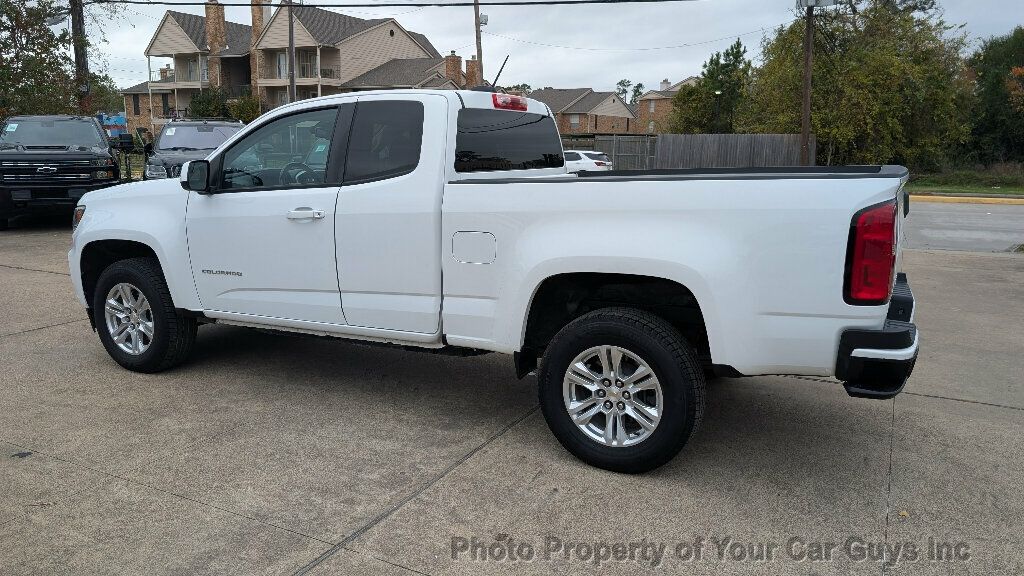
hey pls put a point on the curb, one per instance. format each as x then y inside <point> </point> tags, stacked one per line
<point>967,199</point>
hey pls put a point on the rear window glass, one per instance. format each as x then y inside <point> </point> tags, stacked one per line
<point>597,156</point>
<point>491,140</point>
<point>572,156</point>
<point>194,137</point>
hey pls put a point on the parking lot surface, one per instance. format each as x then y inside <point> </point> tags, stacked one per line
<point>276,454</point>
<point>981,227</point>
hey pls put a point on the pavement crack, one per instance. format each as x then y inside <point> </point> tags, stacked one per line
<point>1005,406</point>
<point>44,327</point>
<point>34,270</point>
<point>426,486</point>
<point>114,476</point>
<point>388,562</point>
<point>888,488</point>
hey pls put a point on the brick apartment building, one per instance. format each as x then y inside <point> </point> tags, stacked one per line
<point>654,108</point>
<point>333,53</point>
<point>584,111</point>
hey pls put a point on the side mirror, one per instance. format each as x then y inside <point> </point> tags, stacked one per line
<point>148,149</point>
<point>195,176</point>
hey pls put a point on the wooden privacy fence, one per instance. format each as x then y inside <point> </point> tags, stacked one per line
<point>648,151</point>
<point>729,150</point>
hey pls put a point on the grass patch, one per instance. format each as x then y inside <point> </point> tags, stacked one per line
<point>1004,178</point>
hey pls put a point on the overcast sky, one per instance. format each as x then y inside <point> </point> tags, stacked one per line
<point>554,45</point>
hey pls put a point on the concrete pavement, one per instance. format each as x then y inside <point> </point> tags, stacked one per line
<point>978,227</point>
<point>275,454</point>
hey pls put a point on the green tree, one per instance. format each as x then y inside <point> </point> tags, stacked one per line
<point>638,91</point>
<point>622,89</point>
<point>998,128</point>
<point>105,95</point>
<point>889,86</point>
<point>711,105</point>
<point>211,103</point>
<point>245,108</point>
<point>35,67</point>
<point>523,88</point>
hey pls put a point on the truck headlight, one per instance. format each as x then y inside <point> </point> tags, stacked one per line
<point>103,162</point>
<point>77,217</point>
<point>154,171</point>
<point>103,174</point>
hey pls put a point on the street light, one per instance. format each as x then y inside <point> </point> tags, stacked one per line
<point>714,124</point>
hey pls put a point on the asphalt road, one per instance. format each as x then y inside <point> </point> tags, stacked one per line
<point>275,454</point>
<point>980,227</point>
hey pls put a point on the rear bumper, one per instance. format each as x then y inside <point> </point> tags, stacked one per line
<point>877,363</point>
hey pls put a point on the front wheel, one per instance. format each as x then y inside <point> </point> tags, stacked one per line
<point>621,389</point>
<point>136,319</point>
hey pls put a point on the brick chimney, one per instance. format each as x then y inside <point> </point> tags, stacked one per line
<point>260,12</point>
<point>216,39</point>
<point>665,85</point>
<point>453,68</point>
<point>473,73</point>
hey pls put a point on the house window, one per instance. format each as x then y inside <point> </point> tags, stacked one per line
<point>282,65</point>
<point>650,106</point>
<point>650,127</point>
<point>135,105</point>
<point>574,120</point>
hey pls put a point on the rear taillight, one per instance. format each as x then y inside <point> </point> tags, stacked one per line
<point>509,102</point>
<point>599,163</point>
<point>871,255</point>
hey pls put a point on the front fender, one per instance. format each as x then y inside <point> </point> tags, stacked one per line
<point>151,213</point>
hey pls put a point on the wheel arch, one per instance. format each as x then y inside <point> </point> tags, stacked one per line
<point>559,298</point>
<point>97,255</point>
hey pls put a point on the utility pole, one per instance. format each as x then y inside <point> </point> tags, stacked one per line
<point>805,122</point>
<point>78,40</point>
<point>291,53</point>
<point>479,44</point>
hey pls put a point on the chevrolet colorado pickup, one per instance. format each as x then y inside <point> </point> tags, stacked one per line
<point>48,162</point>
<point>446,221</point>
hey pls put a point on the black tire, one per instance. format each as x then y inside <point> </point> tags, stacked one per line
<point>669,355</point>
<point>174,335</point>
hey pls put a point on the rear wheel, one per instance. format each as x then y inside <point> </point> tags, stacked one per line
<point>136,319</point>
<point>621,389</point>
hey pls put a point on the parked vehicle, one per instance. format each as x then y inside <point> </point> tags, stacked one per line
<point>182,140</point>
<point>48,162</point>
<point>443,220</point>
<point>586,161</point>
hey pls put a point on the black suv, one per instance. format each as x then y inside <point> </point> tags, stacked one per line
<point>48,162</point>
<point>184,140</point>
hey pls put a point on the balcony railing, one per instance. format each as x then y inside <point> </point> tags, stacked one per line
<point>186,75</point>
<point>304,70</point>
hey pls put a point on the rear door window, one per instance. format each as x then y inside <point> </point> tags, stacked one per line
<point>490,140</point>
<point>572,157</point>
<point>597,156</point>
<point>386,140</point>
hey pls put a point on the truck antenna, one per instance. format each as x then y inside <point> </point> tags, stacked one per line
<point>500,70</point>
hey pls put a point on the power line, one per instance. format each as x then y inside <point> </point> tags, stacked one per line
<point>457,4</point>
<point>642,49</point>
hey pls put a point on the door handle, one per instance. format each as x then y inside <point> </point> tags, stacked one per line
<point>305,214</point>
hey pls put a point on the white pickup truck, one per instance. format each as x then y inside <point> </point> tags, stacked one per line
<point>446,221</point>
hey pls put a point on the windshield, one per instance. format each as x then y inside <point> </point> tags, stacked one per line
<point>52,132</point>
<point>201,137</point>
